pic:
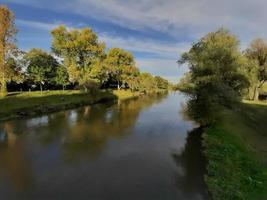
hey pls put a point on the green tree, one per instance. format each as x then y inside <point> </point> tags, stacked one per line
<point>215,63</point>
<point>257,53</point>
<point>147,83</point>
<point>80,50</point>
<point>7,47</point>
<point>120,65</point>
<point>62,77</point>
<point>161,83</point>
<point>41,67</point>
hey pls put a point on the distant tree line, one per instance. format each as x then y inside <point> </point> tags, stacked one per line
<point>78,60</point>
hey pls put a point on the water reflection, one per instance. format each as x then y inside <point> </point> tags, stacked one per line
<point>14,163</point>
<point>193,164</point>
<point>108,151</point>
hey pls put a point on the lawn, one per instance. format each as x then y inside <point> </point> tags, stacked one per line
<point>236,148</point>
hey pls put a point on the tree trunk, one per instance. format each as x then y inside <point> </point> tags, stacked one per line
<point>3,90</point>
<point>41,87</point>
<point>256,94</point>
<point>119,85</point>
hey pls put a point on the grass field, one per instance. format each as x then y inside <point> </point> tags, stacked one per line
<point>236,148</point>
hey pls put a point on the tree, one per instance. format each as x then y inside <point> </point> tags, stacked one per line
<point>161,83</point>
<point>119,63</point>
<point>147,82</point>
<point>7,46</point>
<point>215,63</point>
<point>80,50</point>
<point>257,53</point>
<point>62,77</point>
<point>41,67</point>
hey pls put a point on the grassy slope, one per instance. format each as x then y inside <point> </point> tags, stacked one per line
<point>33,103</point>
<point>236,147</point>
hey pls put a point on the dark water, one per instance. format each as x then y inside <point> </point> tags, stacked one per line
<point>139,149</point>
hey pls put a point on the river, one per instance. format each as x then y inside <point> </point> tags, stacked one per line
<point>139,149</point>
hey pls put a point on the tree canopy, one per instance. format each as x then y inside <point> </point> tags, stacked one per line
<point>257,55</point>
<point>215,64</point>
<point>7,47</point>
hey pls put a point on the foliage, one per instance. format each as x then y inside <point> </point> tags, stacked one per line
<point>121,68</point>
<point>7,47</point>
<point>216,76</point>
<point>80,50</point>
<point>161,83</point>
<point>42,67</point>
<point>257,55</point>
<point>62,77</point>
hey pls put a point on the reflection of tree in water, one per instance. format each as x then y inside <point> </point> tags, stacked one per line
<point>193,165</point>
<point>80,133</point>
<point>14,162</point>
<point>94,126</point>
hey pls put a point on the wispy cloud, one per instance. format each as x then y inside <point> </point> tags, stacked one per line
<point>190,18</point>
<point>37,25</point>
<point>163,55</point>
<point>155,48</point>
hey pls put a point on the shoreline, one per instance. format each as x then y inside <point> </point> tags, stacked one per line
<point>28,104</point>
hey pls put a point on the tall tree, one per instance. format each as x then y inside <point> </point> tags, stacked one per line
<point>80,50</point>
<point>215,64</point>
<point>42,67</point>
<point>119,62</point>
<point>7,46</point>
<point>257,52</point>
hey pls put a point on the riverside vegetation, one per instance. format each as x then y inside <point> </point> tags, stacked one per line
<point>79,62</point>
<point>226,90</point>
<point>221,77</point>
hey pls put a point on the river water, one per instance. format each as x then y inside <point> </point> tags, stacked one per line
<point>140,149</point>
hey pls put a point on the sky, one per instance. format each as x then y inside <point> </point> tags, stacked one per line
<point>157,32</point>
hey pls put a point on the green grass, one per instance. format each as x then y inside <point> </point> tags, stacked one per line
<point>32,103</point>
<point>236,149</point>
<point>125,94</point>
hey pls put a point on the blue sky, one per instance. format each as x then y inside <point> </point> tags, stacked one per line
<point>156,31</point>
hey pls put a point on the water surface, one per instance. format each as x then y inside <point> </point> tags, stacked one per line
<point>140,149</point>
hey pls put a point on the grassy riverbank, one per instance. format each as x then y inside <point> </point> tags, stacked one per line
<point>236,149</point>
<point>17,105</point>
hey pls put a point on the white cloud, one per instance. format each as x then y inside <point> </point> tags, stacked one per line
<point>37,25</point>
<point>159,49</point>
<point>167,68</point>
<point>156,48</point>
<point>191,18</point>
<point>165,54</point>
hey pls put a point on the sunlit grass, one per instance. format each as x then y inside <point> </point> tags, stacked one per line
<point>125,94</point>
<point>41,102</point>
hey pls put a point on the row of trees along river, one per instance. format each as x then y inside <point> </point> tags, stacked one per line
<point>78,59</point>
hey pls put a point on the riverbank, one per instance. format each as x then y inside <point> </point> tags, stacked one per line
<point>236,150</point>
<point>18,105</point>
